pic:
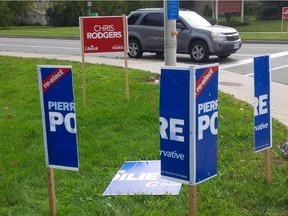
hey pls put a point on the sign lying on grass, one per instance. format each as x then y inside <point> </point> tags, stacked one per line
<point>58,115</point>
<point>141,177</point>
<point>103,34</point>
<point>262,108</point>
<point>189,123</point>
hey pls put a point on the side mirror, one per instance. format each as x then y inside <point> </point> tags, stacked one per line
<point>180,26</point>
<point>213,21</point>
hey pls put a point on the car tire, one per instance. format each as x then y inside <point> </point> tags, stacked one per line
<point>199,51</point>
<point>135,48</point>
<point>223,56</point>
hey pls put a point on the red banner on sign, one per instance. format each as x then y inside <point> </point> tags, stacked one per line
<point>54,78</point>
<point>204,79</point>
<point>103,34</point>
<point>285,13</point>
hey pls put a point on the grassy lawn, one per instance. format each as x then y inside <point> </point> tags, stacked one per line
<point>42,31</point>
<point>111,131</point>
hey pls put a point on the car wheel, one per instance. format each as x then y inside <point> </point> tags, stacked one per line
<point>135,49</point>
<point>199,51</point>
<point>223,56</point>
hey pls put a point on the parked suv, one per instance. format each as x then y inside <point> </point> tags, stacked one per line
<point>197,36</point>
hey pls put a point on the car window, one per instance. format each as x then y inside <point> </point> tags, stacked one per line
<point>182,23</point>
<point>153,19</point>
<point>194,19</point>
<point>133,18</point>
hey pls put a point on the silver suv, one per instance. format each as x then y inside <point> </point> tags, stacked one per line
<point>197,36</point>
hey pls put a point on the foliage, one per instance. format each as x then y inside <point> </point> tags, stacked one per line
<point>65,13</point>
<point>20,11</point>
<point>249,8</point>
<point>270,10</point>
<point>186,4</point>
<point>14,12</point>
<point>112,130</point>
<point>207,11</point>
<point>5,14</point>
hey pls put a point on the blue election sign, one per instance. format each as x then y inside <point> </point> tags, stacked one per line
<point>141,177</point>
<point>58,115</point>
<point>172,9</point>
<point>206,91</point>
<point>189,123</point>
<point>262,107</point>
<point>174,124</point>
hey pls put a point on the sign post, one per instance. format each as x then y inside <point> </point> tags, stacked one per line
<point>262,111</point>
<point>59,123</point>
<point>51,191</point>
<point>103,34</point>
<point>189,126</point>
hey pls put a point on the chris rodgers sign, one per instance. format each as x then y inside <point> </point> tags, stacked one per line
<point>189,123</point>
<point>103,34</point>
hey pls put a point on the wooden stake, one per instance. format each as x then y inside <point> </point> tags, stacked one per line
<point>267,164</point>
<point>51,191</point>
<point>125,56</point>
<point>83,65</point>
<point>192,200</point>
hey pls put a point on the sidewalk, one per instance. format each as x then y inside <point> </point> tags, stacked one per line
<point>239,86</point>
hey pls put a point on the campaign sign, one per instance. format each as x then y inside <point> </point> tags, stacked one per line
<point>102,34</point>
<point>284,13</point>
<point>58,115</point>
<point>206,91</point>
<point>175,111</point>
<point>141,177</point>
<point>262,109</point>
<point>189,123</point>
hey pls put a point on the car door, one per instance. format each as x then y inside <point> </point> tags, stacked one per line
<point>183,38</point>
<point>152,31</point>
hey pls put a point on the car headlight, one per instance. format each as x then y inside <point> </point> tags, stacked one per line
<point>218,36</point>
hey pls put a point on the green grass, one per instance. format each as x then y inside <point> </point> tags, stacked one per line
<point>41,31</point>
<point>113,130</point>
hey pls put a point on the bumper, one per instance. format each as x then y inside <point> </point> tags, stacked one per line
<point>225,48</point>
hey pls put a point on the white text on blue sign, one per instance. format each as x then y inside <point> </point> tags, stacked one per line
<point>57,118</point>
<point>205,121</point>
<point>261,108</point>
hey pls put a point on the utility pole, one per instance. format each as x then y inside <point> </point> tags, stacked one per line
<point>171,10</point>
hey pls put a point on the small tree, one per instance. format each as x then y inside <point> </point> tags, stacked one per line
<point>270,10</point>
<point>5,15</point>
<point>66,13</point>
<point>19,11</point>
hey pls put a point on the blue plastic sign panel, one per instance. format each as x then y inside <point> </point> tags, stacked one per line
<point>206,93</point>
<point>189,123</point>
<point>175,149</point>
<point>141,177</point>
<point>172,9</point>
<point>262,107</point>
<point>58,115</point>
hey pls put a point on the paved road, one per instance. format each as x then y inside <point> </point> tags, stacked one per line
<point>241,62</point>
